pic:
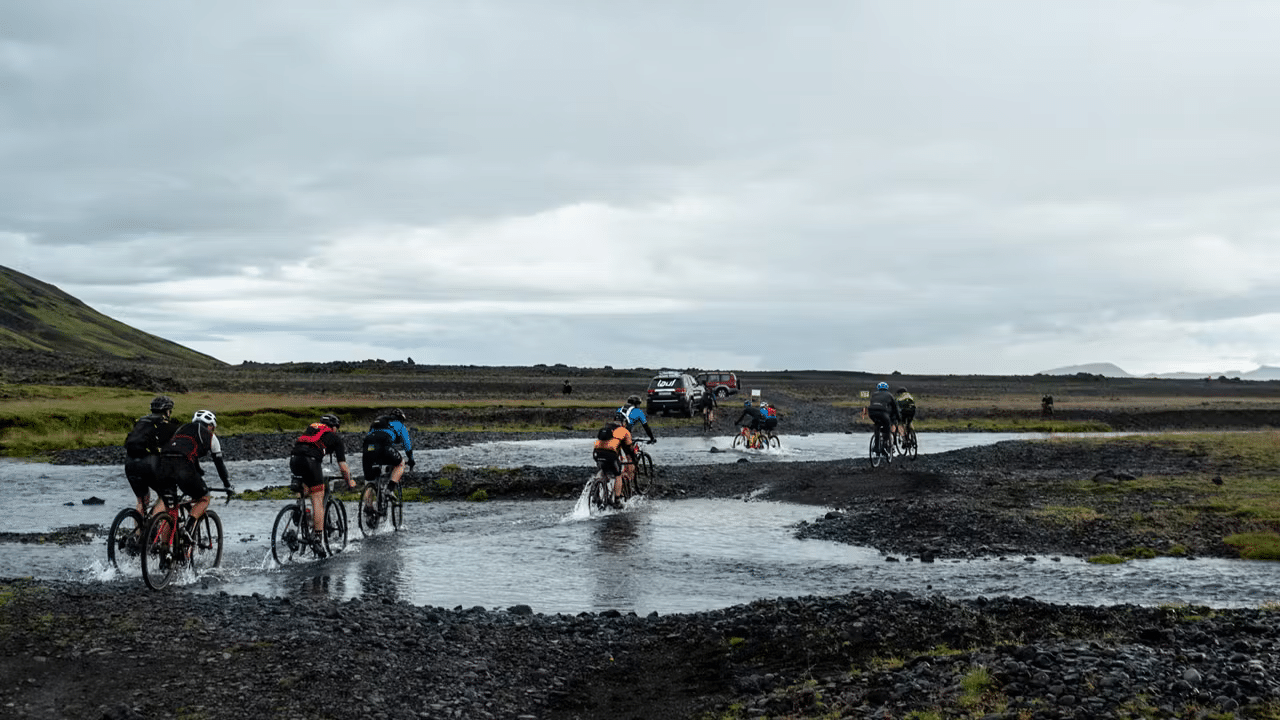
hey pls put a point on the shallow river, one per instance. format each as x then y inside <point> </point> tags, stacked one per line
<point>656,555</point>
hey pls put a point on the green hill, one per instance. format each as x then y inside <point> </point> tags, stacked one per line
<point>35,315</point>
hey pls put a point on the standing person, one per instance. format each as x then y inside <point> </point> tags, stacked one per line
<point>883,411</point>
<point>142,445</point>
<point>567,389</point>
<point>180,461</point>
<point>707,406</point>
<point>630,414</point>
<point>387,443</point>
<point>611,441</point>
<point>319,439</point>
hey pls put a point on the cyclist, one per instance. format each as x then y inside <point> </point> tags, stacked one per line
<point>611,439</point>
<point>179,467</point>
<point>388,443</point>
<point>319,439</point>
<point>749,413</point>
<point>707,406</point>
<point>630,414</point>
<point>906,408</point>
<point>883,410</point>
<point>142,445</point>
<point>768,417</point>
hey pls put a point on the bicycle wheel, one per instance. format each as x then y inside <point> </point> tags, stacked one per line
<point>396,502</point>
<point>774,442</point>
<point>739,440</point>
<point>335,526</point>
<point>208,541</point>
<point>600,496</point>
<point>286,535</point>
<point>643,479</point>
<point>158,562</point>
<point>124,541</point>
<point>368,517</point>
<point>910,447</point>
<point>875,449</point>
<point>644,464</point>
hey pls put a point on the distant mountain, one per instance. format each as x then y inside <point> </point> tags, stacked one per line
<point>1104,369</point>
<point>35,315</point>
<point>1265,372</point>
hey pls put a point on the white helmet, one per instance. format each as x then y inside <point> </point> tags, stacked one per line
<point>206,417</point>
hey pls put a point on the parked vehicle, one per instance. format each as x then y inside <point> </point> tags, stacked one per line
<point>723,384</point>
<point>671,390</point>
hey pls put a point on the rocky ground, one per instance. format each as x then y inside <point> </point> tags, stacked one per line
<point>115,651</point>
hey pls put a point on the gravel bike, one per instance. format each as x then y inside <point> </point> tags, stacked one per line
<point>910,447</point>
<point>293,535</point>
<point>173,542</point>
<point>379,504</point>
<point>879,453</point>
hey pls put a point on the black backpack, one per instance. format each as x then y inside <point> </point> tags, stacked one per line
<point>606,432</point>
<point>144,438</point>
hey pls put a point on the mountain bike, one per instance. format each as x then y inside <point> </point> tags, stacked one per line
<point>294,534</point>
<point>910,448</point>
<point>378,504</point>
<point>750,439</point>
<point>600,486</point>
<point>644,468</point>
<point>171,544</point>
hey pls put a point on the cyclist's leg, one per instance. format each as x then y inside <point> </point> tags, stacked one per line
<point>191,483</point>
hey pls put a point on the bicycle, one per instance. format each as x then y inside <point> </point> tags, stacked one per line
<point>378,502</point>
<point>910,447</point>
<point>750,439</point>
<point>600,487</point>
<point>294,532</point>
<point>878,453</point>
<point>171,544</point>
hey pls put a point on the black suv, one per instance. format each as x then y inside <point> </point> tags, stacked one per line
<point>723,384</point>
<point>671,390</point>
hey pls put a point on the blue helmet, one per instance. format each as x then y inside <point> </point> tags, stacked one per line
<point>882,386</point>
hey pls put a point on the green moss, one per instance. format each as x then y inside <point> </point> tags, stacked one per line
<point>1256,545</point>
<point>479,495</point>
<point>1105,559</point>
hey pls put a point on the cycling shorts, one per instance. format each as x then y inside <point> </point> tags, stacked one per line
<point>307,469</point>
<point>141,474</point>
<point>379,454</point>
<point>770,424</point>
<point>179,473</point>
<point>607,460</point>
<point>908,414</point>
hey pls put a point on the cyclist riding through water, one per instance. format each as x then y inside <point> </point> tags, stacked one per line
<point>387,443</point>
<point>768,417</point>
<point>749,413</point>
<point>611,441</point>
<point>318,440</point>
<point>179,467</point>
<point>143,444</point>
<point>630,414</point>
<point>883,411</point>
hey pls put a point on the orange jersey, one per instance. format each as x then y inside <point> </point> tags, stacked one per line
<point>621,438</point>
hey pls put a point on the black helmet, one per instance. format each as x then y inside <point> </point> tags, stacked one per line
<point>161,403</point>
<point>902,389</point>
<point>397,414</point>
<point>634,400</point>
<point>331,420</point>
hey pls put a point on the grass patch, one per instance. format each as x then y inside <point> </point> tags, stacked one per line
<point>1105,559</point>
<point>1256,545</point>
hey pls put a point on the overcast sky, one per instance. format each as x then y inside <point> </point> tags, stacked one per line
<point>931,187</point>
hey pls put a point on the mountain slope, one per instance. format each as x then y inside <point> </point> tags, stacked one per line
<point>35,315</point>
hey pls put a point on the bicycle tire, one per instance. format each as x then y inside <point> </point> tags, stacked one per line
<point>738,440</point>
<point>644,464</point>
<point>368,517</point>
<point>159,564</point>
<point>643,481</point>
<point>911,446</point>
<point>208,541</point>
<point>875,450</point>
<point>600,496</point>
<point>396,501</point>
<point>774,442</point>
<point>124,541</point>
<point>335,526</point>
<point>286,535</point>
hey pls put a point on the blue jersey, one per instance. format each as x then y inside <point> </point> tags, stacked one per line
<point>398,434</point>
<point>631,415</point>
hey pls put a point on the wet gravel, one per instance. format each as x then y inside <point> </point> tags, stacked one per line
<point>863,655</point>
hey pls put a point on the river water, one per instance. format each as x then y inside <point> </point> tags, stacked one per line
<point>655,555</point>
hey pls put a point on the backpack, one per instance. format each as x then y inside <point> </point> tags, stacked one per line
<point>770,412</point>
<point>144,438</point>
<point>606,433</point>
<point>622,416</point>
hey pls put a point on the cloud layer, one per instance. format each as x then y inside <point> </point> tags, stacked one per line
<point>980,187</point>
